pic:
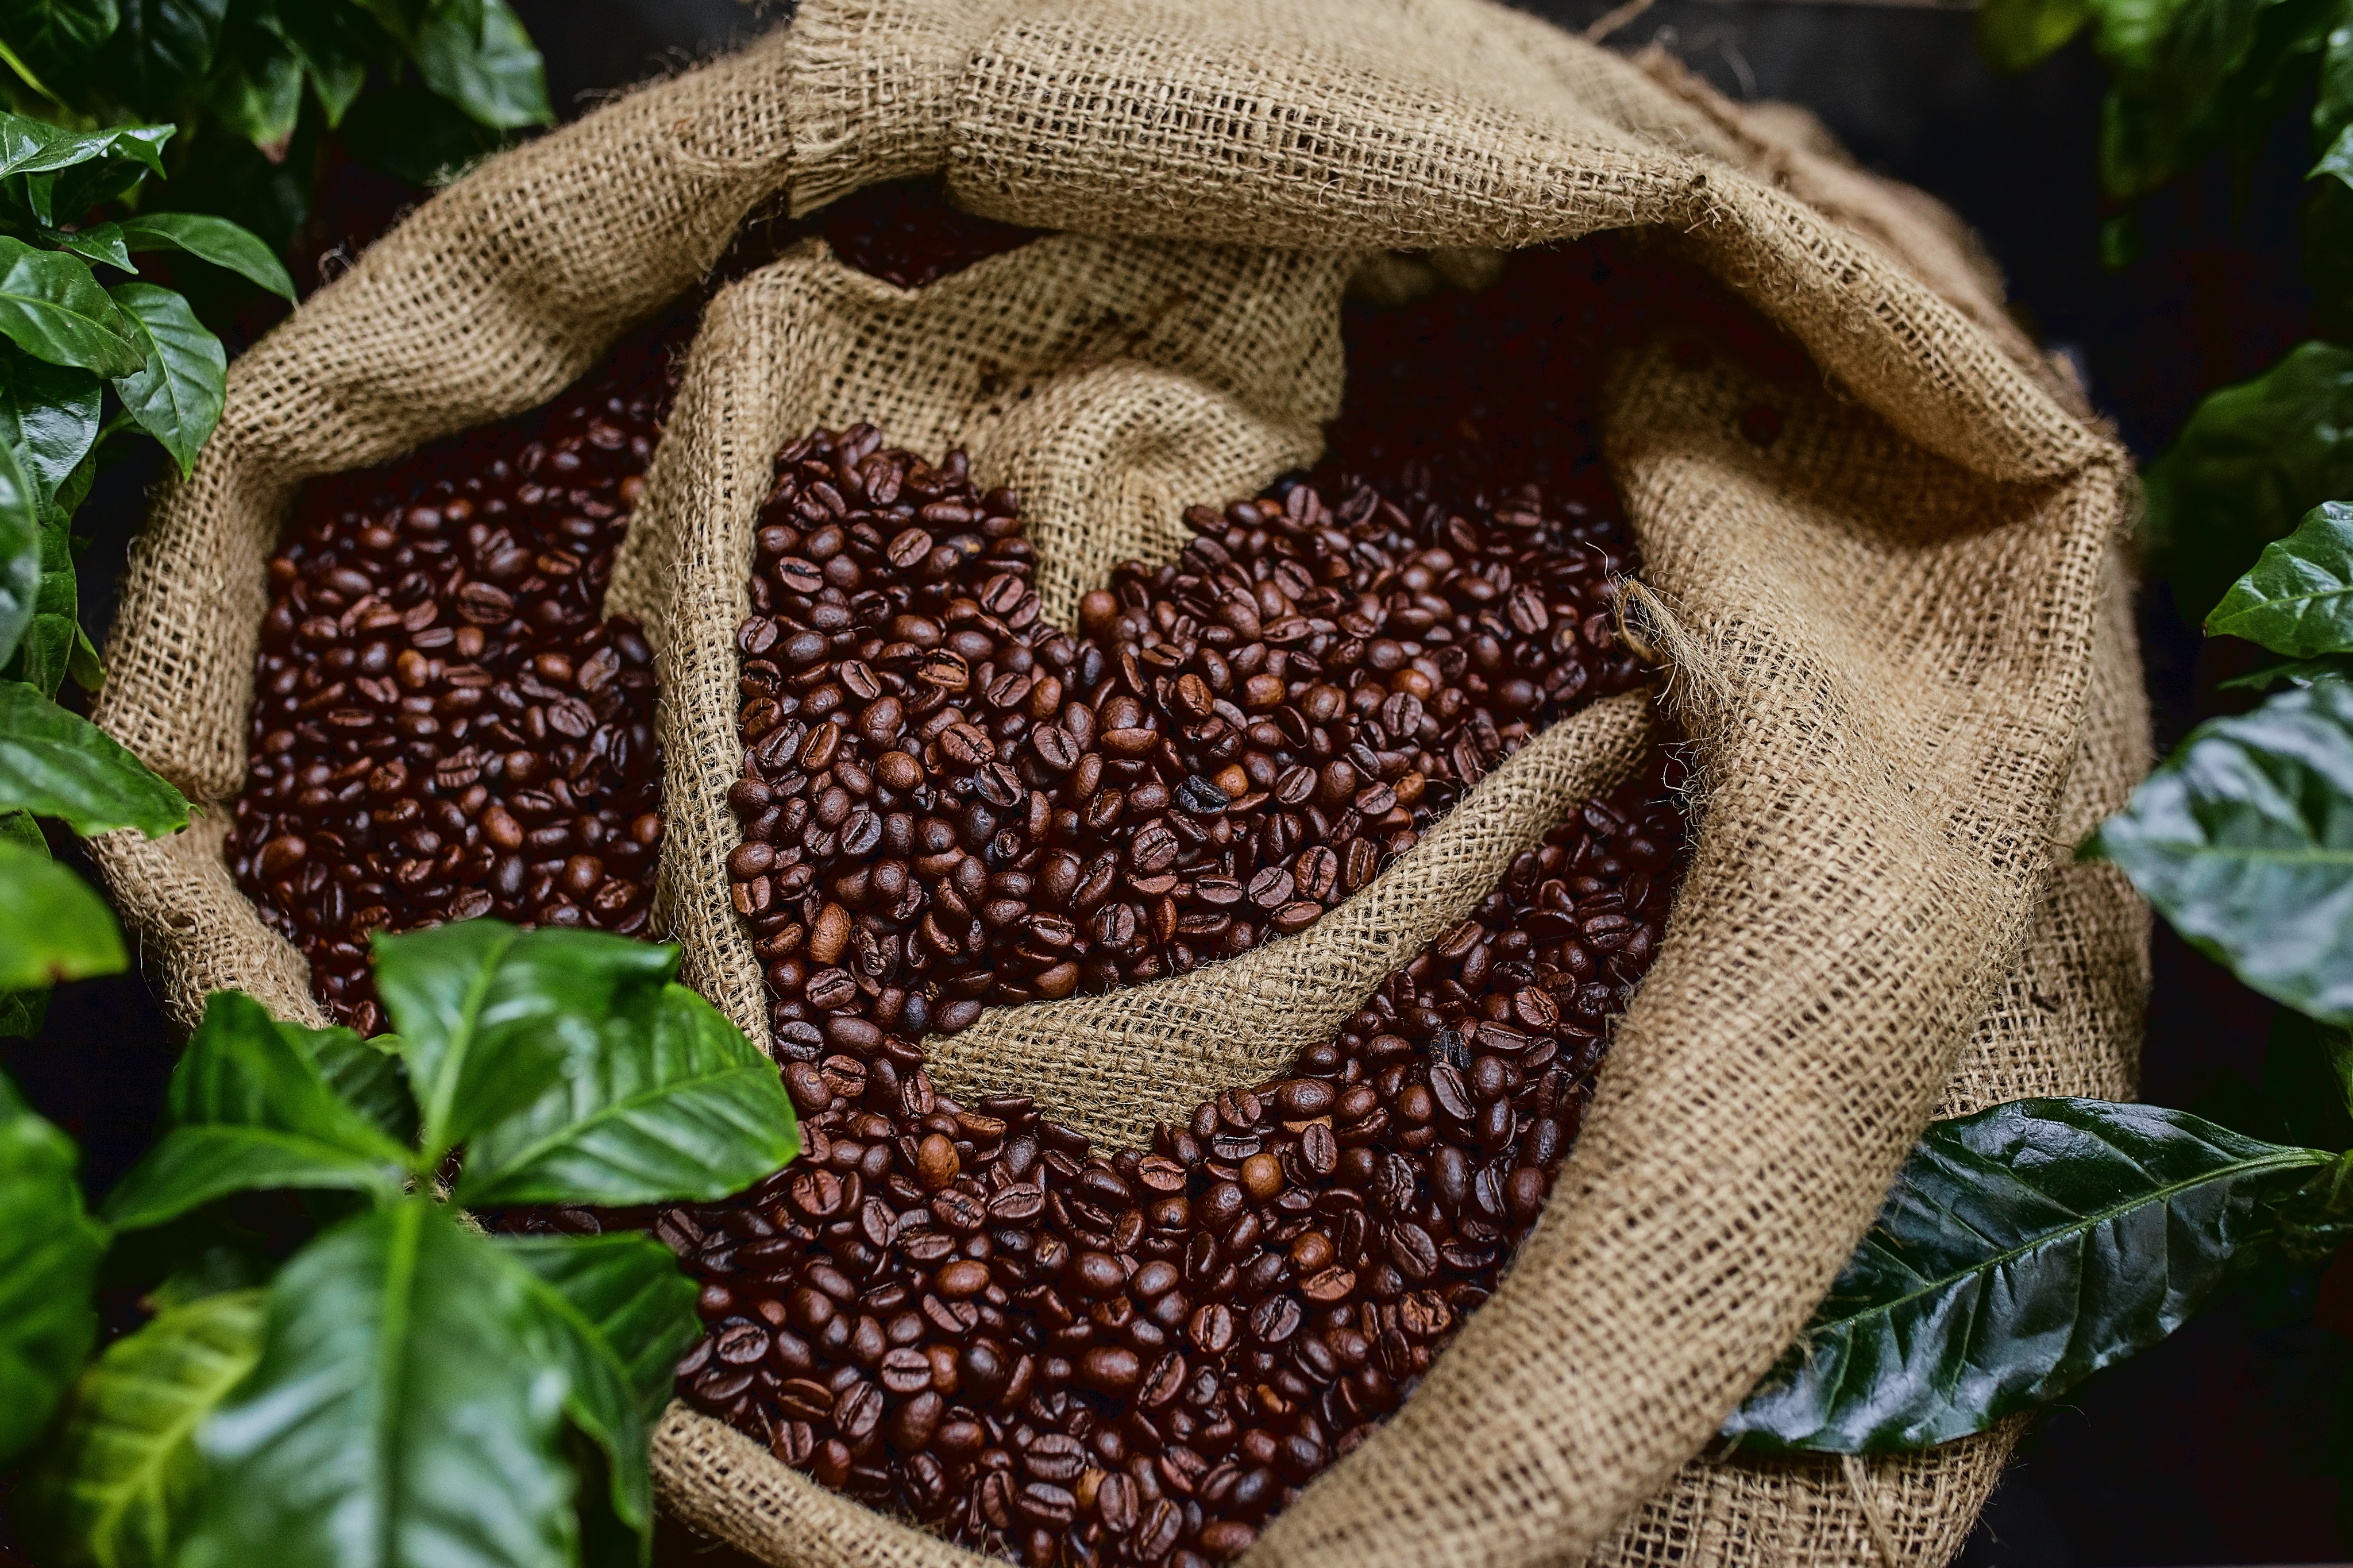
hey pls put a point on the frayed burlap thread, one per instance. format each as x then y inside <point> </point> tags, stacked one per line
<point>485,302</point>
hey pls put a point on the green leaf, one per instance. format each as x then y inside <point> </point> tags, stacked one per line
<point>163,47</point>
<point>88,672</point>
<point>49,413</point>
<point>52,926</point>
<point>55,310</point>
<point>2297,599</point>
<point>2016,35</point>
<point>2020,1250</point>
<point>46,655</point>
<point>213,239</point>
<point>2248,464</point>
<point>487,1015</point>
<point>2243,840</point>
<point>615,1314</point>
<point>399,1416</point>
<point>178,393</point>
<point>48,1260</point>
<point>2192,77</point>
<point>57,38</point>
<point>114,1487</point>
<point>56,763</point>
<point>20,551</point>
<point>365,1075</point>
<point>22,1012</point>
<point>477,54</point>
<point>2338,160</point>
<point>2296,672</point>
<point>677,1105</point>
<point>257,92</point>
<point>250,1109</point>
<point>99,242</point>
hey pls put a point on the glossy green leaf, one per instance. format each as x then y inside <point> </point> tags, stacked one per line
<point>2243,840</point>
<point>48,1261</point>
<point>615,1314</point>
<point>213,239</point>
<point>58,39</point>
<point>2248,464</point>
<point>2015,34</point>
<point>53,926</point>
<point>54,310</point>
<point>478,56</point>
<point>399,1416</point>
<point>99,242</point>
<point>676,1105</point>
<point>2297,599</point>
<point>248,1109</point>
<point>2021,1249</point>
<point>2296,672</point>
<point>2338,160</point>
<point>58,763</point>
<point>178,393</point>
<point>22,1012</point>
<point>116,1484</point>
<point>49,413</point>
<point>69,194</point>
<point>20,551</point>
<point>45,657</point>
<point>163,47</point>
<point>365,1075</point>
<point>258,94</point>
<point>2192,77</point>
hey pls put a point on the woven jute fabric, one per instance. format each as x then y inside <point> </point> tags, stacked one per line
<point>484,302</point>
<point>1883,634</point>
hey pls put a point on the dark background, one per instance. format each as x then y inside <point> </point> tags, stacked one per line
<point>2219,1446</point>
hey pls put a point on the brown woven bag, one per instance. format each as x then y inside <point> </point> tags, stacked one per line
<point>1898,640</point>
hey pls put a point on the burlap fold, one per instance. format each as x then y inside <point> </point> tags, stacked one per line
<point>1885,630</point>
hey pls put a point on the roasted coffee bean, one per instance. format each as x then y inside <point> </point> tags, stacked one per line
<point>444,725</point>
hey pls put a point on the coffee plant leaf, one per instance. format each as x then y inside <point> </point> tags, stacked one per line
<point>478,56</point>
<point>2016,34</point>
<point>20,552</point>
<point>2020,1250</point>
<point>58,39</point>
<point>99,242</point>
<point>178,393</point>
<point>49,415</point>
<point>53,926</point>
<point>49,1248</point>
<point>54,310</point>
<point>45,657</point>
<point>2295,673</point>
<point>163,48</point>
<point>615,1314</point>
<point>2193,77</point>
<point>2248,463</point>
<point>488,1015</point>
<point>2332,101</point>
<point>365,1075</point>
<point>247,1109</point>
<point>2297,599</point>
<point>675,1105</point>
<point>213,239</point>
<point>399,1415</point>
<point>113,1487</point>
<point>2243,840</point>
<point>58,763</point>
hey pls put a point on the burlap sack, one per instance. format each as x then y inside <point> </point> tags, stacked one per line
<point>1882,630</point>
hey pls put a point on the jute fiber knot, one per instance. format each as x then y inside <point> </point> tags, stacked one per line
<point>1900,655</point>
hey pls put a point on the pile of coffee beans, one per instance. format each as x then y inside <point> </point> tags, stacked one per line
<point>947,801</point>
<point>444,724</point>
<point>963,1313</point>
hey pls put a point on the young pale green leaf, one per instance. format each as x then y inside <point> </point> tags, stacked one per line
<point>213,239</point>
<point>2021,1249</point>
<point>399,1417</point>
<point>52,926</point>
<point>48,1261</point>
<point>115,1486</point>
<point>20,552</point>
<point>2248,464</point>
<point>54,310</point>
<point>56,763</point>
<point>484,63</point>
<point>2297,599</point>
<point>615,1314</point>
<point>2016,35</point>
<point>487,1015</point>
<point>250,1109</point>
<point>2243,840</point>
<point>177,393</point>
<point>49,413</point>
<point>677,1105</point>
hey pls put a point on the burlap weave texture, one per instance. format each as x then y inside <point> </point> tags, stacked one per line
<point>1882,630</point>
